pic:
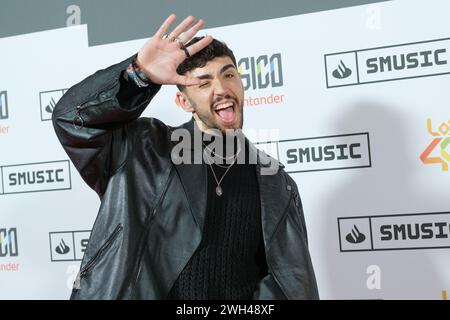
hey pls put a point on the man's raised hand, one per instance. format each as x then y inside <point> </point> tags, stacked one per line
<point>161,55</point>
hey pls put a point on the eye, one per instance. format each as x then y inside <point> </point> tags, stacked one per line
<point>229,75</point>
<point>204,84</point>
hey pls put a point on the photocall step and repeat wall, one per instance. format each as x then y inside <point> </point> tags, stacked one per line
<point>354,102</point>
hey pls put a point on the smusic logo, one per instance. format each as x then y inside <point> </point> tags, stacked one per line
<point>394,232</point>
<point>388,63</point>
<point>335,152</point>
<point>33,177</point>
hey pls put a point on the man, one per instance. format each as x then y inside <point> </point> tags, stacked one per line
<point>171,229</point>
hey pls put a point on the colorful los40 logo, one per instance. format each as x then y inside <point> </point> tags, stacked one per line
<point>441,141</point>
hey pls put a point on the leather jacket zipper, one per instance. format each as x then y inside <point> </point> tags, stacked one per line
<point>99,253</point>
<point>78,121</point>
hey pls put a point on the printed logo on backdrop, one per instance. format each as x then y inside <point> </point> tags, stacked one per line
<point>348,151</point>
<point>4,112</point>
<point>263,76</point>
<point>388,63</point>
<point>394,232</point>
<point>342,71</point>
<point>48,101</point>
<point>9,248</point>
<point>3,105</point>
<point>35,177</point>
<point>438,151</point>
<point>8,242</point>
<point>355,236</point>
<point>68,245</point>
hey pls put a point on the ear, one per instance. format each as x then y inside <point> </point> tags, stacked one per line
<point>182,101</point>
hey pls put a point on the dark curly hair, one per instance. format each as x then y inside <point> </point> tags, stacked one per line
<point>215,49</point>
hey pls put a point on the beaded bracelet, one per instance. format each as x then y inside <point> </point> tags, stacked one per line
<point>137,75</point>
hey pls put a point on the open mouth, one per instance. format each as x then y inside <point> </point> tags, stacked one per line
<point>226,111</point>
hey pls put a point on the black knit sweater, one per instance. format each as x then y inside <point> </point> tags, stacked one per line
<point>230,259</point>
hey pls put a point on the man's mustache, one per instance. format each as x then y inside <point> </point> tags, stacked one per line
<point>226,97</point>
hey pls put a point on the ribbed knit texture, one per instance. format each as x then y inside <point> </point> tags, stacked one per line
<point>230,259</point>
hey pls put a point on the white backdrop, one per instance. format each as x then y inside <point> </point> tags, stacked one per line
<point>378,215</point>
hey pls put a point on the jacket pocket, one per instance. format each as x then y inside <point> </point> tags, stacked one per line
<point>101,252</point>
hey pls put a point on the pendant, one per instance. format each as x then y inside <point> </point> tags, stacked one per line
<point>219,191</point>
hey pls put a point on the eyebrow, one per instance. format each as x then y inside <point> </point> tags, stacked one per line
<point>209,76</point>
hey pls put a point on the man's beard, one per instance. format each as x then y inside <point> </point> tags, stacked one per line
<point>209,118</point>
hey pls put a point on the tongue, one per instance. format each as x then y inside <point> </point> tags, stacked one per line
<point>226,114</point>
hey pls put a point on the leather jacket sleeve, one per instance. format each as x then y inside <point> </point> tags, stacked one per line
<point>91,121</point>
<point>299,206</point>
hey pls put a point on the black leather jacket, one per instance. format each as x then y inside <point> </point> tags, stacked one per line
<point>152,210</point>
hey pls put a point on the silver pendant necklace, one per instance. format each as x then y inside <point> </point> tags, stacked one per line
<point>219,190</point>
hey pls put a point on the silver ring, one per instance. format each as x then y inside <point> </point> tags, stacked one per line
<point>165,36</point>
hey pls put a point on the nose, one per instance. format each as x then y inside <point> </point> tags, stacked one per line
<point>220,88</point>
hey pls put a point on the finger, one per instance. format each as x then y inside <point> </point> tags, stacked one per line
<point>181,27</point>
<point>188,35</point>
<point>196,47</point>
<point>187,80</point>
<point>163,29</point>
